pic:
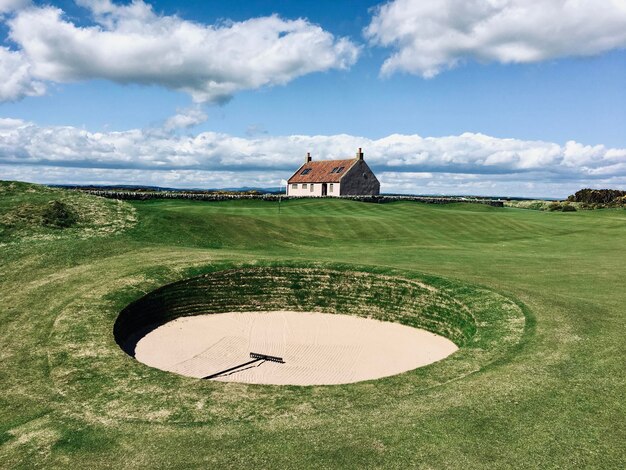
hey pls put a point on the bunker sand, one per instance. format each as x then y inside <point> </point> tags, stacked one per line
<point>318,348</point>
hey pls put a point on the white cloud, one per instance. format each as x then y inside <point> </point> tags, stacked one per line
<point>133,44</point>
<point>16,79</point>
<point>7,6</point>
<point>185,118</point>
<point>431,36</point>
<point>164,178</point>
<point>467,163</point>
<point>528,185</point>
<point>10,123</point>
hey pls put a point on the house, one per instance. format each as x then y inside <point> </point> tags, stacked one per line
<point>351,177</point>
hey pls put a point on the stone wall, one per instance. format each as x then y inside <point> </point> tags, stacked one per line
<point>381,198</point>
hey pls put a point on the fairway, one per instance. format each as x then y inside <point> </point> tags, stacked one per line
<point>533,300</point>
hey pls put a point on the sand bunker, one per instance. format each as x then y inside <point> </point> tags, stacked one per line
<point>318,348</point>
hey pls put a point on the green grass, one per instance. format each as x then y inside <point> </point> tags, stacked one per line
<point>552,397</point>
<point>29,212</point>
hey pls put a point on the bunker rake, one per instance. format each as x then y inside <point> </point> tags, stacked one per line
<point>256,357</point>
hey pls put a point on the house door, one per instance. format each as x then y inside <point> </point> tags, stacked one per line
<point>324,189</point>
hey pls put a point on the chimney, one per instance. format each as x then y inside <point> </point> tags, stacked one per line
<point>308,157</point>
<point>359,154</point>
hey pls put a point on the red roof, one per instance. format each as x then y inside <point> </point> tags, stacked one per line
<point>321,171</point>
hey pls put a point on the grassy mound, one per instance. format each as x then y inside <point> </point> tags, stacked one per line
<point>30,211</point>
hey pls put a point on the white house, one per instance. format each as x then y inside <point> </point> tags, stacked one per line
<point>351,177</point>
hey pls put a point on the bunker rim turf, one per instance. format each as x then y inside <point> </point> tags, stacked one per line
<point>481,323</point>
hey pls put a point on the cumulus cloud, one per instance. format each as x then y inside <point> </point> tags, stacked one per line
<point>11,123</point>
<point>16,78</point>
<point>431,36</point>
<point>468,163</point>
<point>133,44</point>
<point>185,118</point>
<point>7,6</point>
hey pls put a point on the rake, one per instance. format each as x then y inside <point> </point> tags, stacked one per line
<point>256,357</point>
<point>265,357</point>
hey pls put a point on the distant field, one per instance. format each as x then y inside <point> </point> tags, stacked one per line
<point>551,394</point>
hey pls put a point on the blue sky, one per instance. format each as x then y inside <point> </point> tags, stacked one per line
<point>476,97</point>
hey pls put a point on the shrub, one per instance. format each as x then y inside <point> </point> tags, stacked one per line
<point>597,196</point>
<point>536,205</point>
<point>568,208</point>
<point>555,206</point>
<point>58,214</point>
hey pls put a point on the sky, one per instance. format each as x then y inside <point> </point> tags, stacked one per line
<point>476,97</point>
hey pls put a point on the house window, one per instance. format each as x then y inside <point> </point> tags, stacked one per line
<point>303,185</point>
<point>340,169</point>
<point>330,189</point>
<point>311,187</point>
<point>294,186</point>
<point>306,171</point>
<point>334,169</point>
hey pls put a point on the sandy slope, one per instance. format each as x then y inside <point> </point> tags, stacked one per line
<point>317,348</point>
